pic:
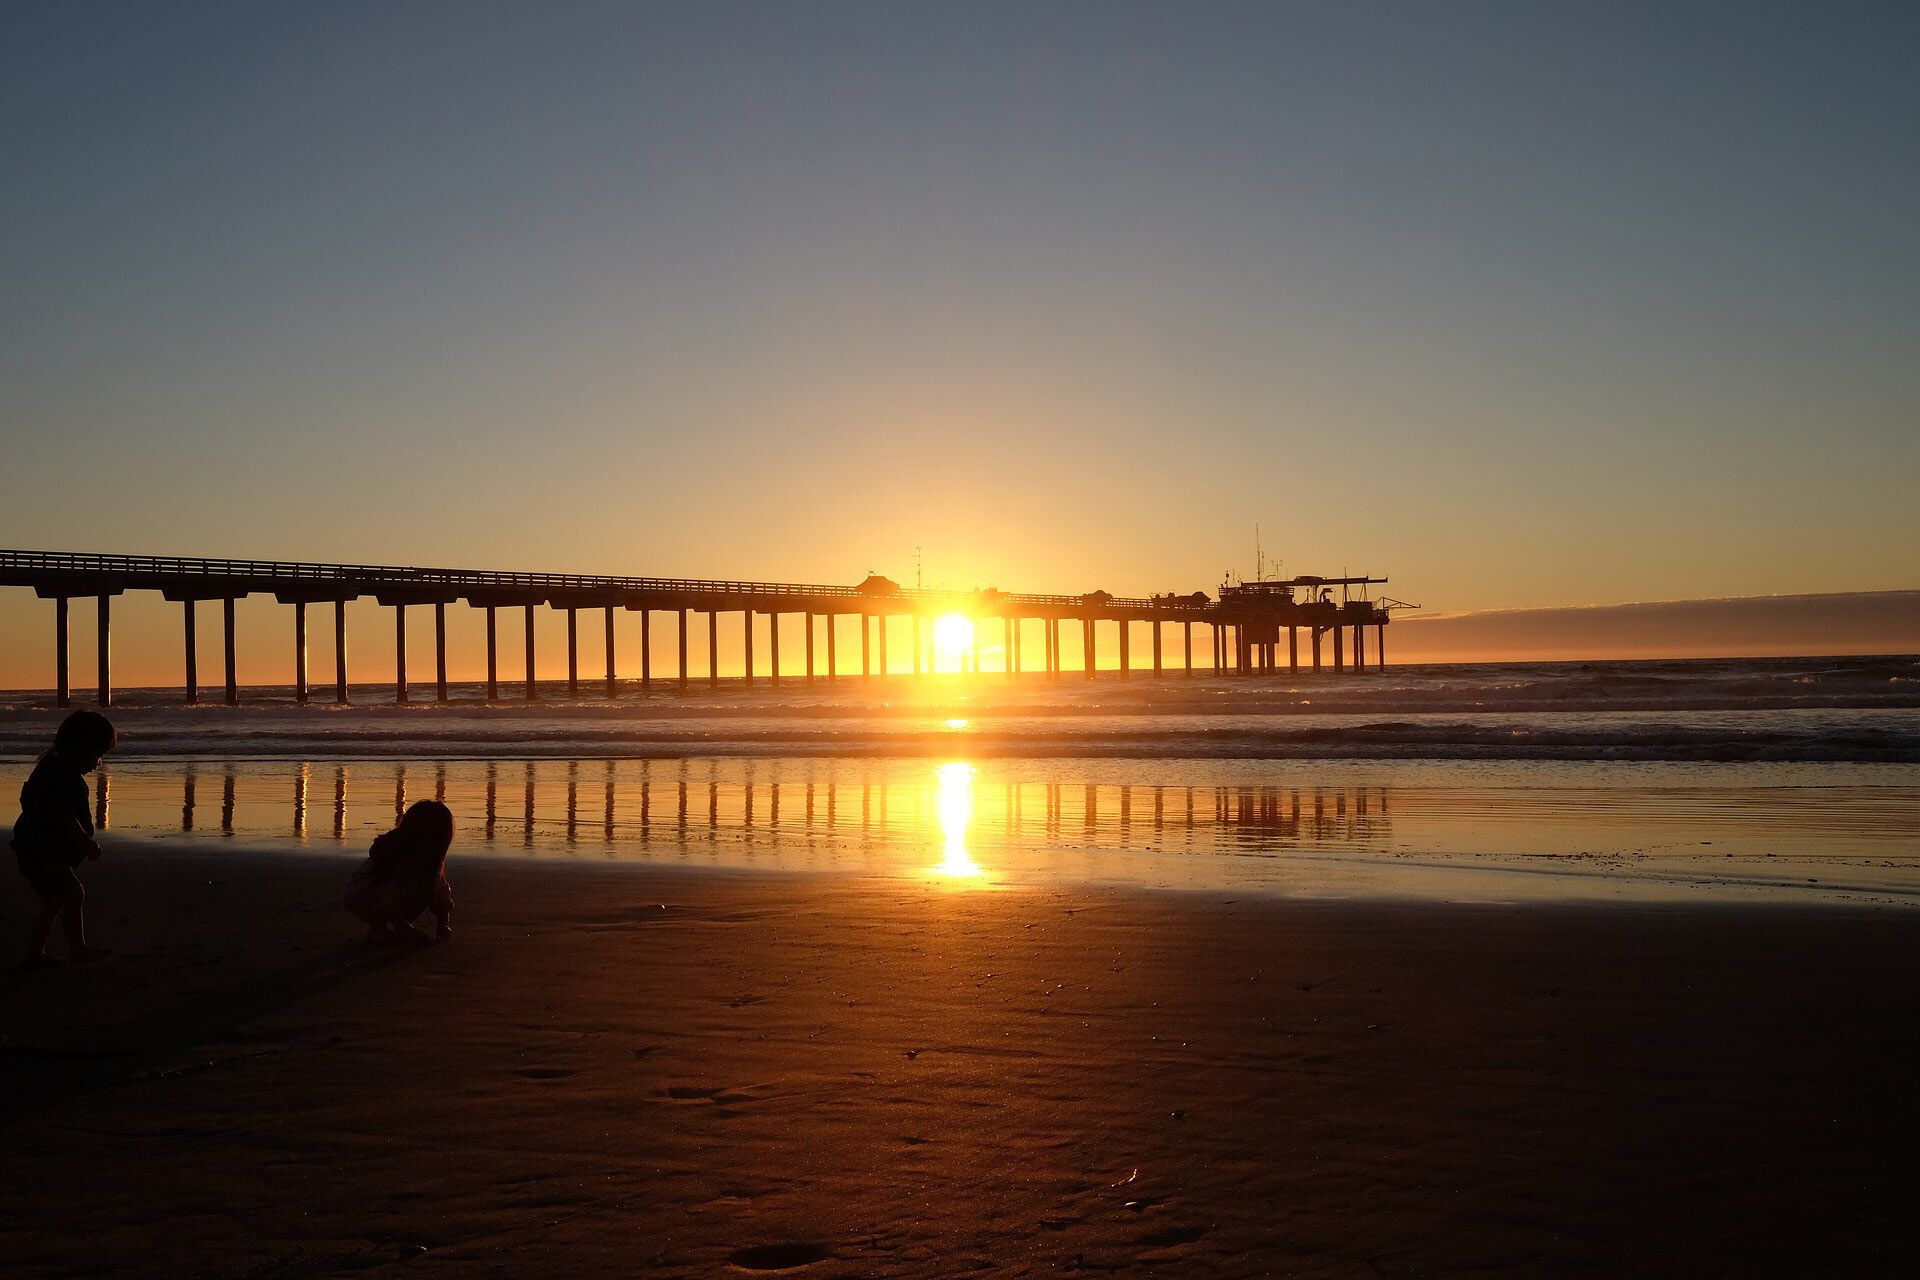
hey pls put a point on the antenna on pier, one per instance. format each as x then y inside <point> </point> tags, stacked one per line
<point>1259,557</point>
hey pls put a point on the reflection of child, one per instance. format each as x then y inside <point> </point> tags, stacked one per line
<point>55,834</point>
<point>406,873</point>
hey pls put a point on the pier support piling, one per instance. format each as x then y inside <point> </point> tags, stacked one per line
<point>1126,660</point>
<point>193,656</point>
<point>1293,651</point>
<point>833,662</point>
<point>1089,646</point>
<point>713,649</point>
<point>682,631</point>
<point>63,692</point>
<point>532,689</point>
<point>573,654</point>
<point>299,651</point>
<point>746,661</point>
<point>399,653</point>
<point>646,649</point>
<point>233,682</point>
<point>340,652</point>
<point>866,646</point>
<point>773,644</point>
<point>493,657</point>
<point>613,690</point>
<point>440,650</point>
<point>809,645</point>
<point>105,620</point>
<point>1339,649</point>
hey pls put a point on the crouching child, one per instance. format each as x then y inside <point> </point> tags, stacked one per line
<point>405,874</point>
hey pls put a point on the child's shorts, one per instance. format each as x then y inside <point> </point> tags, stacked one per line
<point>49,877</point>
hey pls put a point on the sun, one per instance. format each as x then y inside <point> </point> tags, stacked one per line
<point>952,640</point>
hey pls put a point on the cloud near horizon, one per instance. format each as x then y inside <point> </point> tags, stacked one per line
<point>1853,622</point>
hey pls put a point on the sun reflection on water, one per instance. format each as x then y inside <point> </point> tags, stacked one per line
<point>956,814</point>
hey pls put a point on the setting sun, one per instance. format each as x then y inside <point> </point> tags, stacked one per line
<point>952,641</point>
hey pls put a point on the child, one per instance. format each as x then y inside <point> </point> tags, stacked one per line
<point>55,834</point>
<point>406,873</point>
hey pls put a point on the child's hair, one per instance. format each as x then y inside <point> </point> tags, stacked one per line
<point>85,733</point>
<point>428,822</point>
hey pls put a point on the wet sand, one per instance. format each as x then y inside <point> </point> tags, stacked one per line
<point>639,1071</point>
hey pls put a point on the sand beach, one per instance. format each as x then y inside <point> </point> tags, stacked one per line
<point>644,1071</point>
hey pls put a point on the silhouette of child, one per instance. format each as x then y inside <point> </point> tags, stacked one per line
<point>405,874</point>
<point>55,834</point>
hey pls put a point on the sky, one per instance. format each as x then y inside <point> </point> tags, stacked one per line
<point>1521,305</point>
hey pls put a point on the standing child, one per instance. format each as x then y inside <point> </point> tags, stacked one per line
<point>55,834</point>
<point>405,874</point>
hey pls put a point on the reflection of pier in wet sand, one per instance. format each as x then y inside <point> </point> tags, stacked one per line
<point>614,804</point>
<point>881,816</point>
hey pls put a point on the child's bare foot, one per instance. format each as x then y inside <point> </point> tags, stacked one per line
<point>443,931</point>
<point>87,955</point>
<point>42,961</point>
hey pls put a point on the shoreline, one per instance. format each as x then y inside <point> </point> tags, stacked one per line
<point>1472,880</point>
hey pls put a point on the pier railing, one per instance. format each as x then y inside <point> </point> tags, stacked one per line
<point>368,577</point>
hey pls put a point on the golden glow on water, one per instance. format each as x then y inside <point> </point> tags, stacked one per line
<point>952,640</point>
<point>956,815</point>
<point>956,723</point>
<point>1195,824</point>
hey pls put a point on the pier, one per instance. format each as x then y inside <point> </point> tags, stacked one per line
<point>1245,625</point>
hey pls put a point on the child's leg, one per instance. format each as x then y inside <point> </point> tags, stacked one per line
<point>50,909</point>
<point>75,919</point>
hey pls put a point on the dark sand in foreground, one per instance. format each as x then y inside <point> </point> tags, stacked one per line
<point>639,1072</point>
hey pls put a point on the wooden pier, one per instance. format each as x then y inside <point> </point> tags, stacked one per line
<point>1245,624</point>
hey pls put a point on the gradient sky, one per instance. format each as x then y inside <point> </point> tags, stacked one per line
<point>1522,304</point>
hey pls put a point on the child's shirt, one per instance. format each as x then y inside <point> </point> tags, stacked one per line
<point>54,812</point>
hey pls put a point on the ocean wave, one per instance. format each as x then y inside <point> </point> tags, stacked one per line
<point>1842,709</point>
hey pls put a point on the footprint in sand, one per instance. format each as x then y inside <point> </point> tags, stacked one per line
<point>545,1073</point>
<point>777,1257</point>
